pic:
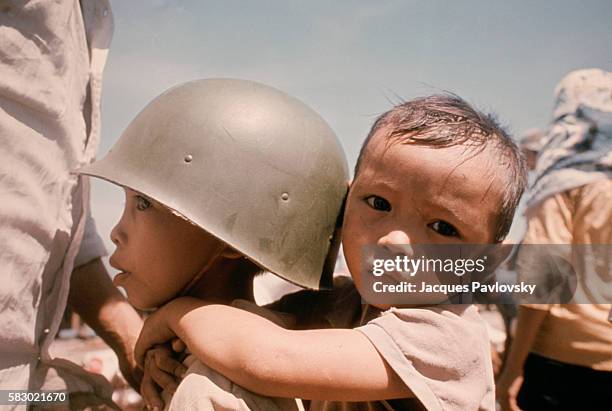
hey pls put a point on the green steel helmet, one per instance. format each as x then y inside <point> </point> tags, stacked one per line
<point>249,164</point>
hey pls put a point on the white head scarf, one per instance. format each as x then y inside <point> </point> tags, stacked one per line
<point>577,148</point>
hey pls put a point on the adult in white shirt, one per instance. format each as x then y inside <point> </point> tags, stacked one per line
<point>51,59</point>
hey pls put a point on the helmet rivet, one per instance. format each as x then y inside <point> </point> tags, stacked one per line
<point>188,158</point>
<point>285,196</point>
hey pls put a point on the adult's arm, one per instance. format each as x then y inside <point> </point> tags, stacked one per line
<point>94,297</point>
<point>528,323</point>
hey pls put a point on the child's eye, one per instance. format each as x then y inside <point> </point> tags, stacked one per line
<point>142,203</point>
<point>378,203</point>
<point>443,228</point>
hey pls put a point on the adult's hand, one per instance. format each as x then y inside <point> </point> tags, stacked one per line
<point>507,389</point>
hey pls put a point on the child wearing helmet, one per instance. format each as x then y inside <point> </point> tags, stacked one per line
<point>431,171</point>
<point>223,179</point>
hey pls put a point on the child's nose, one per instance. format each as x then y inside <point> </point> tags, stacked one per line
<point>395,237</point>
<point>116,235</point>
<point>396,241</point>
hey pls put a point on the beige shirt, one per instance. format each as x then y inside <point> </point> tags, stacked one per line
<point>579,334</point>
<point>441,353</point>
<point>51,60</point>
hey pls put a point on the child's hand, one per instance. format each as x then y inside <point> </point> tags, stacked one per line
<point>161,371</point>
<point>154,331</point>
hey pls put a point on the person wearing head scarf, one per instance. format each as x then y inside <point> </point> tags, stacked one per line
<point>577,149</point>
<point>561,356</point>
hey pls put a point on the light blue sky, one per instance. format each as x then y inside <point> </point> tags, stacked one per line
<point>349,60</point>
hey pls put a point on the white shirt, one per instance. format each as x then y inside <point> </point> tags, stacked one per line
<point>51,59</point>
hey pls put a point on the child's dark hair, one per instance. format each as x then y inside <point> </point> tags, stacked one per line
<point>445,120</point>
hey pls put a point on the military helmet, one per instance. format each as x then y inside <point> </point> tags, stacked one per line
<point>249,164</point>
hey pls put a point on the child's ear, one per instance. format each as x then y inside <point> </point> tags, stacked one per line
<point>231,254</point>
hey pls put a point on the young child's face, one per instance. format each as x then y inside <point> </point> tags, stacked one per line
<point>411,194</point>
<point>157,252</point>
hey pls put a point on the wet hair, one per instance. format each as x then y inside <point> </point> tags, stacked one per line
<point>445,120</point>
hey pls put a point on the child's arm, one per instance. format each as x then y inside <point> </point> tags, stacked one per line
<point>329,364</point>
